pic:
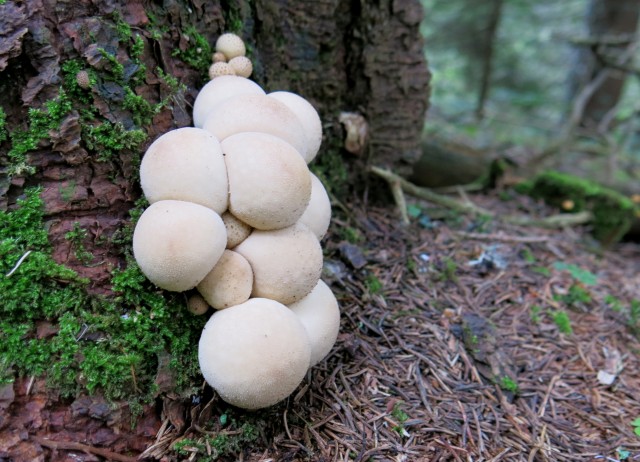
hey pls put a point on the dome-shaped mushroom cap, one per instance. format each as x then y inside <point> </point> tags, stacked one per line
<point>231,45</point>
<point>320,315</point>
<point>286,263</point>
<point>218,90</point>
<point>309,118</point>
<point>254,354</point>
<point>219,69</point>
<point>256,113</point>
<point>317,215</point>
<point>197,305</point>
<point>237,230</point>
<point>186,164</point>
<point>176,243</point>
<point>269,183</point>
<point>229,283</point>
<point>242,66</point>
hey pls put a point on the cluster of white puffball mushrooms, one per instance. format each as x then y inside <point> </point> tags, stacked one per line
<point>235,213</point>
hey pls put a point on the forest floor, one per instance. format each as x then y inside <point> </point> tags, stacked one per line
<point>461,340</point>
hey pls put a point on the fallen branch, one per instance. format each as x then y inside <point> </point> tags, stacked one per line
<point>399,184</point>
<point>71,446</point>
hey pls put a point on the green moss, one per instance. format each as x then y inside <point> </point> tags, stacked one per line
<point>221,444</point>
<point>40,123</point>
<point>77,237</point>
<point>3,125</point>
<point>374,285</point>
<point>108,138</point>
<point>508,384</point>
<point>613,213</point>
<point>95,343</point>
<point>198,54</point>
<point>562,321</point>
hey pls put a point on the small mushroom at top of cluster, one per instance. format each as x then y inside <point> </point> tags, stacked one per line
<point>229,57</point>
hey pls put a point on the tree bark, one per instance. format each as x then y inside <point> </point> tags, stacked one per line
<point>487,55</point>
<point>606,19</point>
<point>357,56</point>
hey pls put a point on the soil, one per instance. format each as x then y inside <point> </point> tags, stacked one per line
<point>449,349</point>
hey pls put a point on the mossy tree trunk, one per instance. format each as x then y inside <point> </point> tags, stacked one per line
<point>145,63</point>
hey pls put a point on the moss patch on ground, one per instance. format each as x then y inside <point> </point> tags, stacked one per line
<point>612,212</point>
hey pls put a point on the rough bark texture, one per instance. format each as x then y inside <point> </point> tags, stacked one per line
<point>342,56</point>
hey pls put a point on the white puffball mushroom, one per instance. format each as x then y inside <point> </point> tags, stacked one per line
<point>176,243</point>
<point>218,57</point>
<point>229,283</point>
<point>317,215</point>
<point>320,315</point>
<point>308,117</point>
<point>269,183</point>
<point>242,66</point>
<point>254,354</point>
<point>255,113</point>
<point>186,164</point>
<point>231,45</point>
<point>220,68</point>
<point>237,230</point>
<point>197,305</point>
<point>286,263</point>
<point>218,90</point>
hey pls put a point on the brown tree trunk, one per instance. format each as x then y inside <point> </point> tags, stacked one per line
<point>343,56</point>
<point>488,46</point>
<point>608,22</point>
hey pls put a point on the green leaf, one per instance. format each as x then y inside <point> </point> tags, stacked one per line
<point>582,275</point>
<point>636,423</point>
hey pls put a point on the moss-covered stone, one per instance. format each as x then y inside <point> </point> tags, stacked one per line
<point>612,212</point>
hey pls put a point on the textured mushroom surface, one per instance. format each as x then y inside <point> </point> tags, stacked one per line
<point>317,215</point>
<point>308,117</point>
<point>219,69</point>
<point>218,90</point>
<point>242,66</point>
<point>254,354</point>
<point>286,263</point>
<point>320,315</point>
<point>237,230</point>
<point>256,113</point>
<point>186,164</point>
<point>231,45</point>
<point>196,304</point>
<point>177,243</point>
<point>229,283</point>
<point>269,183</point>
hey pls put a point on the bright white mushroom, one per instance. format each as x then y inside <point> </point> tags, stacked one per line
<point>317,215</point>
<point>269,183</point>
<point>176,243</point>
<point>308,117</point>
<point>186,164</point>
<point>286,263</point>
<point>229,283</point>
<point>320,315</point>
<point>218,90</point>
<point>254,354</point>
<point>255,113</point>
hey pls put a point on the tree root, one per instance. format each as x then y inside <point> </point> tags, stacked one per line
<point>72,446</point>
<point>399,185</point>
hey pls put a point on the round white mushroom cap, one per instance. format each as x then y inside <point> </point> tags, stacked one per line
<point>269,183</point>
<point>176,243</point>
<point>220,68</point>
<point>197,305</point>
<point>231,45</point>
<point>320,315</point>
<point>242,66</point>
<point>255,113</point>
<point>218,90</point>
<point>254,354</point>
<point>317,215</point>
<point>229,283</point>
<point>186,164</point>
<point>237,230</point>
<point>286,263</point>
<point>309,118</point>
